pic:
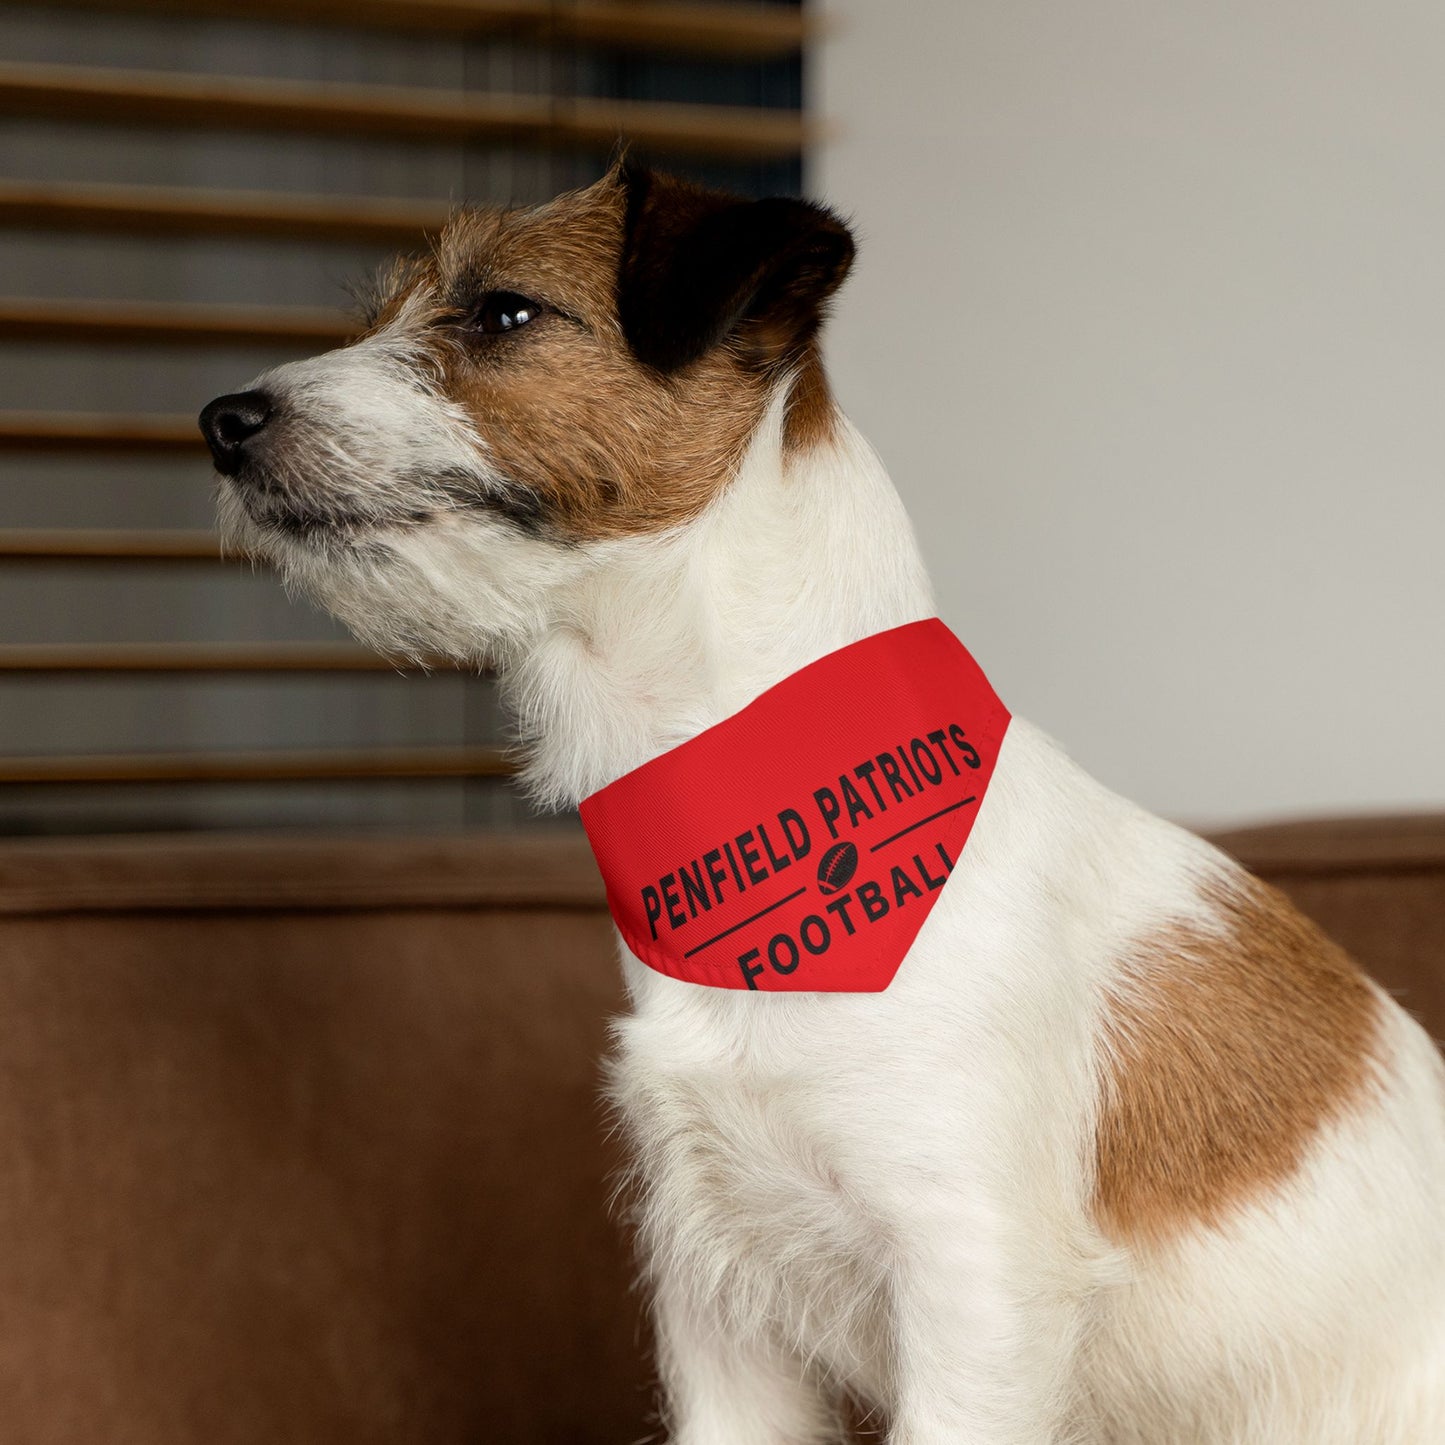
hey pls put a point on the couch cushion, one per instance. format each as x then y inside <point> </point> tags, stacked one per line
<point>302,1143</point>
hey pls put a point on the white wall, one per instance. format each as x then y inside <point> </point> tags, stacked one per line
<point>1149,324</point>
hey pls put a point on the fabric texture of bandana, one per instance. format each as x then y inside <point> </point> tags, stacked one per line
<point>800,844</point>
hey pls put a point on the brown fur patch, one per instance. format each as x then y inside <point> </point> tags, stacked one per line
<point>1227,1052</point>
<point>606,445</point>
<point>812,415</point>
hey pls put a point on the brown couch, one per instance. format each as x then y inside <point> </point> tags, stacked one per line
<point>302,1141</point>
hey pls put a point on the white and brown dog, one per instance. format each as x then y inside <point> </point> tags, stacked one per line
<point>1127,1152</point>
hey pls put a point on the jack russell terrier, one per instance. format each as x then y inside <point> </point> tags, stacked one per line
<point>1103,1142</point>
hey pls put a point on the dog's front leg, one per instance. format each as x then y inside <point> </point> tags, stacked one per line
<point>985,1339</point>
<point>723,1386</point>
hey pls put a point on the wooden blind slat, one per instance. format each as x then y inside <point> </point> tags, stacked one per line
<point>218,102</point>
<point>762,32</point>
<point>82,544</point>
<point>755,32</point>
<point>328,765</point>
<point>171,323</point>
<point>175,657</point>
<point>77,431</point>
<point>172,211</point>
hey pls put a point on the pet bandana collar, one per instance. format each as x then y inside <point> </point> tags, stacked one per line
<point>799,844</point>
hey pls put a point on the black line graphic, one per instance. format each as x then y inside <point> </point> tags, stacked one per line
<point>962,803</point>
<point>796,893</point>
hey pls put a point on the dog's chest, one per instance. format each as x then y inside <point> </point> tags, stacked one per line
<point>747,1189</point>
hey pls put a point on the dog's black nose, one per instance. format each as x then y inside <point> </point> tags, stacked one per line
<point>229,422</point>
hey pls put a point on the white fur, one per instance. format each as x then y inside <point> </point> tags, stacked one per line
<point>889,1193</point>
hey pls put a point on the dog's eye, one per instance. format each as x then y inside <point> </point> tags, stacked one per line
<point>504,311</point>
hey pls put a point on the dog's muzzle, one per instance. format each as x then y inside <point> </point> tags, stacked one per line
<point>231,422</point>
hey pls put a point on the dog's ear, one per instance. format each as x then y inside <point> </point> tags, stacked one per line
<point>700,266</point>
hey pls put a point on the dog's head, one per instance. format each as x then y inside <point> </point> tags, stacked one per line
<point>545,382</point>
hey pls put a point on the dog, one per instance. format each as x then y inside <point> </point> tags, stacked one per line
<point>1127,1153</point>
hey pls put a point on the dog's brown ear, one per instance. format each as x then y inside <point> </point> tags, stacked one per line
<point>699,266</point>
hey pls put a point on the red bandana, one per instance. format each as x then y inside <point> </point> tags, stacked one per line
<point>799,844</point>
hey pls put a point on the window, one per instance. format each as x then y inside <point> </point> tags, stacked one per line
<point>185,193</point>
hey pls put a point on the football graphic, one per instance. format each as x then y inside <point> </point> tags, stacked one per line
<point>836,867</point>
